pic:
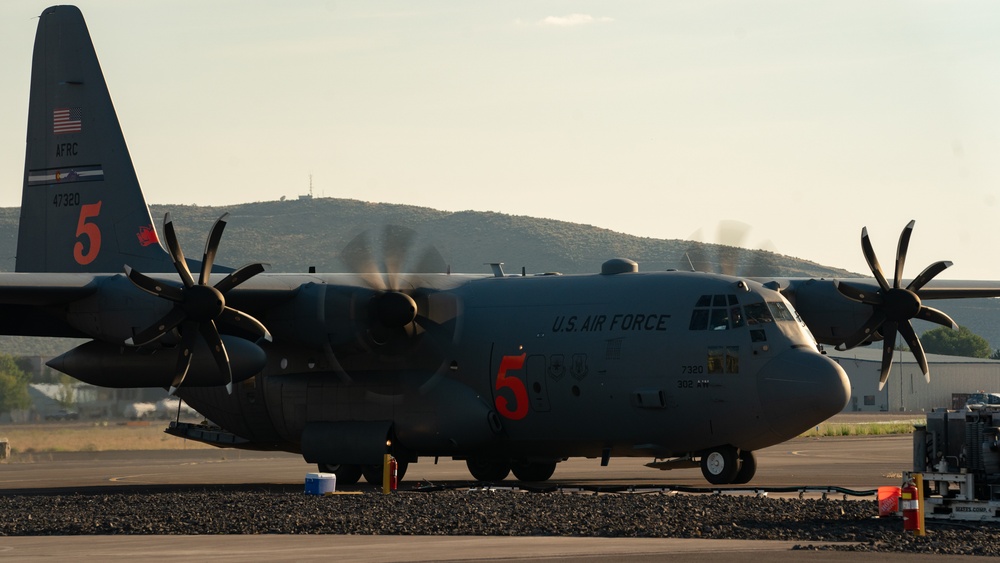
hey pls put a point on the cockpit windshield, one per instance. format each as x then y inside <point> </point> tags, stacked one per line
<point>723,312</point>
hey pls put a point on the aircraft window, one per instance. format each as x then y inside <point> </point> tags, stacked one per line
<point>758,335</point>
<point>725,313</point>
<point>736,316</point>
<point>715,355</point>
<point>720,320</point>
<point>780,312</point>
<point>732,359</point>
<point>723,359</point>
<point>758,313</point>
<point>699,320</point>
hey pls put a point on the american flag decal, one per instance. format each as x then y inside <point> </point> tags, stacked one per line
<point>67,120</point>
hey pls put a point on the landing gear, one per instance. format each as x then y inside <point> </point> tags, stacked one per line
<point>748,466</point>
<point>488,469</point>
<point>720,465</point>
<point>534,472</point>
<point>346,474</point>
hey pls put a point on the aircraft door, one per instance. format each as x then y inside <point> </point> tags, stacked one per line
<point>535,371</point>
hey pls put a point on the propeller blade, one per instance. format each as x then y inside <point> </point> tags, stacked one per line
<point>358,256</point>
<point>933,315</point>
<point>211,335</point>
<point>888,347</point>
<point>239,276</point>
<point>245,322</point>
<point>152,286</point>
<point>396,244</point>
<point>904,244</point>
<point>185,354</point>
<point>180,264</point>
<point>865,332</point>
<point>858,294</point>
<point>906,329</point>
<point>928,274</point>
<point>169,322</point>
<point>211,247</point>
<point>869,252</point>
<point>430,262</point>
<point>732,236</point>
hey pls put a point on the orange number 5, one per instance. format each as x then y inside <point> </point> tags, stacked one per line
<point>93,234</point>
<point>516,387</point>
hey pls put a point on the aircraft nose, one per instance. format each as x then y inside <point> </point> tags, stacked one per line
<point>801,388</point>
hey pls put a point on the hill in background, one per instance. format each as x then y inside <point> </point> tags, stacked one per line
<point>293,235</point>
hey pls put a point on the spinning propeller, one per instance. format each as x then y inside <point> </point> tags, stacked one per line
<point>197,306</point>
<point>397,312</point>
<point>894,306</point>
<point>728,254</point>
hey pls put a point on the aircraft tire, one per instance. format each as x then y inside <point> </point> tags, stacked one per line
<point>720,465</point>
<point>748,467</point>
<point>346,474</point>
<point>534,472</point>
<point>488,470</point>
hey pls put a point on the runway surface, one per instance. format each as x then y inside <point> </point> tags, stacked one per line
<point>853,463</point>
<point>856,463</point>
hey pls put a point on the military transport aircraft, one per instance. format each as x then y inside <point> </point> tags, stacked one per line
<point>510,373</point>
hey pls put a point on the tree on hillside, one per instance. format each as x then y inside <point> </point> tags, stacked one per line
<point>13,385</point>
<point>961,342</point>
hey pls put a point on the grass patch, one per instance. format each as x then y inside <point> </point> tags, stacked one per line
<point>885,428</point>
<point>92,437</point>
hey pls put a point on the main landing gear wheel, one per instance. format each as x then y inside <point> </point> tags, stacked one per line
<point>720,465</point>
<point>346,474</point>
<point>748,467</point>
<point>488,470</point>
<point>534,472</point>
<point>373,473</point>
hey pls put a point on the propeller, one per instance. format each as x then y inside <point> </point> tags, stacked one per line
<point>397,313</point>
<point>893,306</point>
<point>198,307</point>
<point>728,255</point>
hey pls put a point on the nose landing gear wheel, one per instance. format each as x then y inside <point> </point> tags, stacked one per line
<point>720,465</point>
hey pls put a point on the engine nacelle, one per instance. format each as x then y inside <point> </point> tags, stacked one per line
<point>111,365</point>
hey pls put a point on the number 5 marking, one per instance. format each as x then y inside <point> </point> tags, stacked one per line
<point>515,385</point>
<point>93,234</point>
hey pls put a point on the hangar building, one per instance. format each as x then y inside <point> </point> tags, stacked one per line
<point>952,379</point>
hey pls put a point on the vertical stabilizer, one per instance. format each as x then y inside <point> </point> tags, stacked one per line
<point>81,206</point>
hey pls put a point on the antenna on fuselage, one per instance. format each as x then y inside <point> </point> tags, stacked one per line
<point>690,263</point>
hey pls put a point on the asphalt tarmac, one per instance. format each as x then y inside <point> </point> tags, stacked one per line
<point>851,463</point>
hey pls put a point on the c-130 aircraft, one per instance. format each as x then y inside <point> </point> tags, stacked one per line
<point>510,373</point>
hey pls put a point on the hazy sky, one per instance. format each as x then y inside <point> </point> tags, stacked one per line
<point>805,120</point>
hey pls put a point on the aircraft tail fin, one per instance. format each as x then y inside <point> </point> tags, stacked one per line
<point>82,209</point>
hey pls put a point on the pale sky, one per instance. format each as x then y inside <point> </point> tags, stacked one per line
<point>805,120</point>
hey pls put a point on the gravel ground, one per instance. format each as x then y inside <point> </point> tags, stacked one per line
<point>479,512</point>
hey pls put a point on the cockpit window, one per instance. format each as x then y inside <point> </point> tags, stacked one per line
<point>720,319</point>
<point>699,320</point>
<point>758,313</point>
<point>736,316</point>
<point>780,311</point>
<point>717,312</point>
